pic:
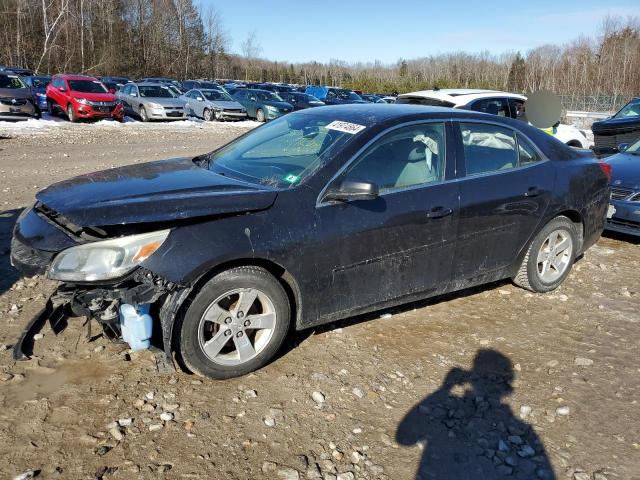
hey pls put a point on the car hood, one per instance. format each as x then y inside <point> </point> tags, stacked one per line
<point>615,123</point>
<point>225,104</point>
<point>15,93</point>
<point>165,102</point>
<point>625,170</point>
<point>95,97</point>
<point>161,191</point>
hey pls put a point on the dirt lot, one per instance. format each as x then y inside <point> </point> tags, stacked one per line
<point>496,379</point>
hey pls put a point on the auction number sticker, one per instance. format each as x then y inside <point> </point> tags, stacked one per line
<point>345,127</point>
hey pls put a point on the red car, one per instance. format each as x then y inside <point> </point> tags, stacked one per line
<point>81,96</point>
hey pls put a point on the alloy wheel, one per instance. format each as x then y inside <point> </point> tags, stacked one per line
<point>554,256</point>
<point>237,326</point>
<point>207,114</point>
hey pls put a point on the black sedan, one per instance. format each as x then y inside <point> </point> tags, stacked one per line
<point>300,101</point>
<point>623,128</point>
<point>317,216</point>
<point>624,212</point>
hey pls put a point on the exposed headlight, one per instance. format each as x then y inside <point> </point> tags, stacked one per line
<point>271,108</point>
<point>106,259</point>
<point>83,101</point>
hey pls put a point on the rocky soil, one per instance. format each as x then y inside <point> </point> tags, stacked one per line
<point>493,382</point>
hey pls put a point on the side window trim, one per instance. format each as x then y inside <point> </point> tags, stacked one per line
<point>460,148</point>
<point>449,157</point>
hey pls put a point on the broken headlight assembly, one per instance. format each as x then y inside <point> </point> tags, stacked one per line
<point>105,260</point>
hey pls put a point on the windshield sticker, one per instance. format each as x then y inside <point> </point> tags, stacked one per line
<point>291,178</point>
<point>346,127</point>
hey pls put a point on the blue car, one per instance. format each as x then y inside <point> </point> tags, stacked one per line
<point>334,96</point>
<point>620,129</point>
<point>262,105</point>
<point>624,209</point>
<point>38,85</point>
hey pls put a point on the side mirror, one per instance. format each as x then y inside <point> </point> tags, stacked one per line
<point>199,99</point>
<point>350,190</point>
<point>63,89</point>
<point>623,147</point>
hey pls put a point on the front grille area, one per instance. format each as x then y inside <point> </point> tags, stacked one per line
<point>611,140</point>
<point>619,193</point>
<point>13,102</point>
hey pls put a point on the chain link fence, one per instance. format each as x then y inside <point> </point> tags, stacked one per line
<point>594,103</point>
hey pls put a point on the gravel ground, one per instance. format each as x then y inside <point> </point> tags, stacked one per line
<point>494,380</point>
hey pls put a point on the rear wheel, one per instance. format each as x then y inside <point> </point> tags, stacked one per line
<point>235,325</point>
<point>550,257</point>
<point>71,113</point>
<point>260,115</point>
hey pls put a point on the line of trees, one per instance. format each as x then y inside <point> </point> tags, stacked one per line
<point>175,38</point>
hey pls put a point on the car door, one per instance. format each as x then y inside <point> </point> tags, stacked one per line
<point>506,185</point>
<point>189,105</point>
<point>400,244</point>
<point>252,104</point>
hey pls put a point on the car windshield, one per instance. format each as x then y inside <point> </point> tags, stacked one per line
<point>40,82</point>
<point>635,148</point>
<point>209,85</point>
<point>348,95</point>
<point>217,95</point>
<point>7,81</point>
<point>155,91</point>
<point>269,97</point>
<point>283,152</point>
<point>87,86</point>
<point>631,109</point>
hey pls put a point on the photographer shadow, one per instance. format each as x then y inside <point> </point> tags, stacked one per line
<point>468,433</point>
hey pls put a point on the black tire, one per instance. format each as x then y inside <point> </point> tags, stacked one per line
<point>51,108</point>
<point>529,276</point>
<point>189,348</point>
<point>143,114</point>
<point>71,114</point>
<point>206,115</point>
<point>260,116</point>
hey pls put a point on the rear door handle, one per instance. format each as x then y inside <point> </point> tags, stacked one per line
<point>533,192</point>
<point>439,212</point>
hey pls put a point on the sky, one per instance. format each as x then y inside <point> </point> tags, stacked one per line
<point>350,30</point>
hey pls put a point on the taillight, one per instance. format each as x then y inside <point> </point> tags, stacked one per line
<point>606,169</point>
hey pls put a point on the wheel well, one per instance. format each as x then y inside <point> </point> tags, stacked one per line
<point>279,272</point>
<point>576,218</point>
<point>574,143</point>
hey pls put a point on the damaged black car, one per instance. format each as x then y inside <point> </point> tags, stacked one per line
<point>317,216</point>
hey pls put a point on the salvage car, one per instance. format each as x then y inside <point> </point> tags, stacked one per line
<point>624,211</point>
<point>622,128</point>
<point>152,101</point>
<point>316,216</point>
<point>263,105</point>
<point>16,99</point>
<point>493,102</point>
<point>300,101</point>
<point>334,96</point>
<point>213,105</point>
<point>38,85</point>
<point>81,97</point>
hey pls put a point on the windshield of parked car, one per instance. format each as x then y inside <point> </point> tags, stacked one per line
<point>7,81</point>
<point>348,95</point>
<point>269,97</point>
<point>87,86</point>
<point>631,109</point>
<point>285,151</point>
<point>155,91</point>
<point>39,82</point>
<point>635,148</point>
<point>209,85</point>
<point>217,95</point>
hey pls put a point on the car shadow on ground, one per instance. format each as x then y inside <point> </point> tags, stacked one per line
<point>8,274</point>
<point>466,432</point>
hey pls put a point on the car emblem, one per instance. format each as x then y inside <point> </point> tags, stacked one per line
<point>14,101</point>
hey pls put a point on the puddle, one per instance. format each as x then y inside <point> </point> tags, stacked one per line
<point>41,382</point>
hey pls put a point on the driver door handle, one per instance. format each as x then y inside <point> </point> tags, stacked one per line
<point>439,212</point>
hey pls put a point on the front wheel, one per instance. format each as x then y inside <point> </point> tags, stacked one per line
<point>550,257</point>
<point>235,324</point>
<point>143,114</point>
<point>260,115</point>
<point>71,113</point>
<point>207,115</point>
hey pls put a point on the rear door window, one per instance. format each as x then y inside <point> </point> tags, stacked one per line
<point>488,148</point>
<point>527,154</point>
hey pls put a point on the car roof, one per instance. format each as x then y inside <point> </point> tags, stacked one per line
<point>460,96</point>
<point>150,84</point>
<point>68,76</point>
